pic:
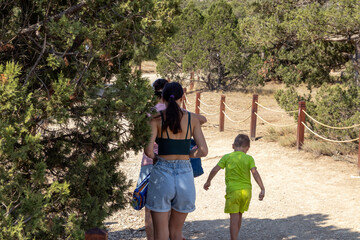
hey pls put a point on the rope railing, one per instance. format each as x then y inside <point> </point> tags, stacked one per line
<point>187,100</point>
<point>207,105</point>
<point>322,124</point>
<point>234,120</point>
<point>327,139</point>
<point>275,125</point>
<point>240,111</point>
<point>210,114</point>
<point>301,126</point>
<point>279,111</point>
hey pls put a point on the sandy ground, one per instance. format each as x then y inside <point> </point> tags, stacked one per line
<point>307,197</point>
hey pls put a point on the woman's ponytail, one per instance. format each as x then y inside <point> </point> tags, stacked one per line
<point>172,92</point>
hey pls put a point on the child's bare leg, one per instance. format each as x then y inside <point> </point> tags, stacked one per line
<point>240,220</point>
<point>148,225</point>
<point>235,224</point>
<point>176,224</point>
<point>160,221</point>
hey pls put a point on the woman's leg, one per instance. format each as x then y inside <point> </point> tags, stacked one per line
<point>160,225</point>
<point>176,224</point>
<point>235,224</point>
<point>148,225</point>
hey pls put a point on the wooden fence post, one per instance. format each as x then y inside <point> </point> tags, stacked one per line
<point>96,234</point>
<point>253,117</point>
<point>192,81</point>
<point>222,115</point>
<point>300,127</point>
<point>197,103</point>
<point>184,99</point>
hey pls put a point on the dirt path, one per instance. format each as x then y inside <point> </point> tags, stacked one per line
<point>306,197</point>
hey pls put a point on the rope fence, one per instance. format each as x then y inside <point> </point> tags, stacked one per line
<point>279,111</point>
<point>322,124</point>
<point>207,105</point>
<point>327,139</point>
<point>301,122</point>
<point>241,111</point>
<point>234,120</point>
<point>210,114</point>
<point>275,125</point>
<point>187,100</point>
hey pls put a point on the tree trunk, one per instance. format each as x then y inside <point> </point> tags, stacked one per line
<point>356,62</point>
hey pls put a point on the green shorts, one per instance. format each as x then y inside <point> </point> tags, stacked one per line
<point>237,201</point>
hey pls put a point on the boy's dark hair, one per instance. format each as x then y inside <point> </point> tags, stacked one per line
<point>158,86</point>
<point>242,140</point>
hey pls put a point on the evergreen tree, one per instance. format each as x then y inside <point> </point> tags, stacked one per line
<point>292,52</point>
<point>172,60</point>
<point>71,110</point>
<point>208,43</point>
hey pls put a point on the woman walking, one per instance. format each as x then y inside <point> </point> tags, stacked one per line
<point>171,186</point>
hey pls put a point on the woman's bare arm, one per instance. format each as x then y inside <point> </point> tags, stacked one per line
<point>200,117</point>
<point>149,149</point>
<point>202,149</point>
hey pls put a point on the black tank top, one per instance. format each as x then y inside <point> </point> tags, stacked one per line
<point>169,146</point>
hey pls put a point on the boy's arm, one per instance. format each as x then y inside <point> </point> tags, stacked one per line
<point>212,174</point>
<point>258,180</point>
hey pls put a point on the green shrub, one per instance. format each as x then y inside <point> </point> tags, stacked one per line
<point>333,105</point>
<point>71,109</point>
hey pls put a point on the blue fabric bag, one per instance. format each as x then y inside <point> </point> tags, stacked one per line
<point>196,162</point>
<point>139,195</point>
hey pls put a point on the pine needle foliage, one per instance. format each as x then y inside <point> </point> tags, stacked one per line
<point>71,110</point>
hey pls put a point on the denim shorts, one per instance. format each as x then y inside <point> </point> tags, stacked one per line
<point>171,186</point>
<point>144,171</point>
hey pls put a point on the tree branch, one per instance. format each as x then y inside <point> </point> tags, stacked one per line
<point>340,38</point>
<point>173,60</point>
<point>56,17</point>
<point>37,61</point>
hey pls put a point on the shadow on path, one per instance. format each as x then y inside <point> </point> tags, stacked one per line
<point>294,227</point>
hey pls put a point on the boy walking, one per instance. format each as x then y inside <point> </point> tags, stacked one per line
<point>238,166</point>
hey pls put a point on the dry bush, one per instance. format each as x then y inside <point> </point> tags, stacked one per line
<point>320,147</point>
<point>288,140</point>
<point>285,136</point>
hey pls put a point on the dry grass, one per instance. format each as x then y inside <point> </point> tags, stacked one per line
<point>320,147</point>
<point>286,137</point>
<point>148,67</point>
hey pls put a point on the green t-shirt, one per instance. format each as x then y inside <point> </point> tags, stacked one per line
<point>237,170</point>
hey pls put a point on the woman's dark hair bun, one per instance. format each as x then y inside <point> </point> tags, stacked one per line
<point>173,89</point>
<point>158,85</point>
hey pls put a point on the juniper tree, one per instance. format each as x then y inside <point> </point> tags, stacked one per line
<point>71,110</point>
<point>207,42</point>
